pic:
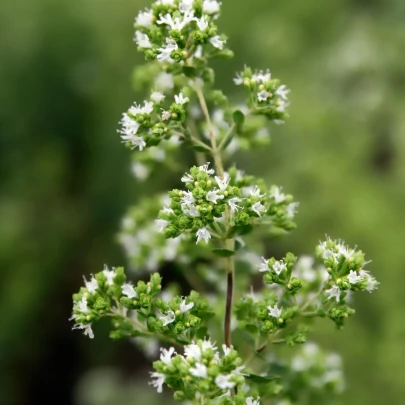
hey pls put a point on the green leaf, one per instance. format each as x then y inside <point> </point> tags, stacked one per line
<point>258,379</point>
<point>238,118</point>
<point>223,252</point>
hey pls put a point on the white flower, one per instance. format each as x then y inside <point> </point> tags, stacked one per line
<point>128,290</point>
<point>168,318</point>
<point>193,351</point>
<point>91,285</point>
<point>147,108</point>
<point>144,18</point>
<point>202,23</point>
<point>233,204</point>
<point>187,178</point>
<point>291,209</point>
<point>110,274</point>
<point>263,95</point>
<point>258,208</point>
<point>278,196</point>
<point>223,184</point>
<point>304,270</point>
<point>166,115</point>
<point>282,91</point>
<point>226,349</point>
<point>278,267</point>
<point>207,344</point>
<point>180,99</point>
<point>282,105</point>
<point>211,6</point>
<point>164,81</point>
<point>176,23</point>
<point>158,381</point>
<point>186,5</point>
<point>354,277</point>
<point>87,329</point>
<point>334,292</point>
<point>251,401</point>
<point>165,52</point>
<point>217,42</point>
<point>372,283</point>
<point>275,311</point>
<point>166,2</point>
<point>203,233</point>
<point>166,355</point>
<point>161,224</point>
<point>142,40</point>
<point>140,171</point>
<point>157,97</point>
<point>200,370</point>
<point>238,80</point>
<point>190,209</point>
<point>223,382</point>
<point>213,196</point>
<point>255,192</point>
<point>206,169</point>
<point>185,307</point>
<point>263,266</point>
<point>83,305</point>
<point>261,76</point>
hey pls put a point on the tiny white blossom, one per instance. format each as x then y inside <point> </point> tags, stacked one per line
<point>252,401</point>
<point>261,76</point>
<point>233,204</point>
<point>282,105</point>
<point>217,42</point>
<point>92,285</point>
<point>226,349</point>
<point>144,19</point>
<point>222,184</point>
<point>142,40</point>
<point>147,108</point>
<point>372,283</point>
<point>157,97</point>
<point>166,355</point>
<point>258,208</point>
<point>278,196</point>
<point>202,23</point>
<point>291,209</point>
<point>176,23</point>
<point>207,344</point>
<point>187,178</point>
<point>185,307</point>
<point>186,5</point>
<point>180,99</point>
<point>140,170</point>
<point>110,274</point>
<point>354,277</point>
<point>255,192</point>
<point>83,305</point>
<point>282,91</point>
<point>168,318</point>
<point>158,381</point>
<point>187,197</point>
<point>200,370</point>
<point>238,80</point>
<point>164,81</point>
<point>213,196</point>
<point>190,209</point>
<point>203,233</point>
<point>165,52</point>
<point>278,267</point>
<point>334,292</point>
<point>166,2</point>
<point>166,115</point>
<point>211,6</point>
<point>193,351</point>
<point>161,224</point>
<point>263,267</point>
<point>275,311</point>
<point>87,329</point>
<point>263,95</point>
<point>223,382</point>
<point>206,169</point>
<point>128,290</point>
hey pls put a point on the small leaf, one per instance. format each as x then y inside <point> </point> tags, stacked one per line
<point>258,379</point>
<point>223,252</point>
<point>238,118</point>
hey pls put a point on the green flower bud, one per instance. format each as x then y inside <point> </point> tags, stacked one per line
<point>294,285</point>
<point>179,396</point>
<point>179,328</point>
<point>268,326</point>
<point>120,276</point>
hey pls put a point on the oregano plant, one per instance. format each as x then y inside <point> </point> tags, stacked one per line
<point>216,343</point>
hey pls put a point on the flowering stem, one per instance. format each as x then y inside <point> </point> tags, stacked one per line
<point>215,152</point>
<point>230,270</point>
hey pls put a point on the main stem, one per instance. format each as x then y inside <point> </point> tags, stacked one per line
<point>229,243</point>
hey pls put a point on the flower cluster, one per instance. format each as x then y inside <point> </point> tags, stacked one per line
<point>266,95</point>
<point>108,294</point>
<point>209,201</point>
<point>201,371</point>
<point>173,32</point>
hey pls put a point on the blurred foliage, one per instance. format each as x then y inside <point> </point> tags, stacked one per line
<point>65,77</point>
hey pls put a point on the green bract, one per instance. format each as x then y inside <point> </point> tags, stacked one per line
<point>210,227</point>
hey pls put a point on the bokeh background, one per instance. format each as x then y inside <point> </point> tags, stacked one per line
<point>65,182</point>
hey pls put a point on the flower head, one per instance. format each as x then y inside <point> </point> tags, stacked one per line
<point>275,311</point>
<point>334,292</point>
<point>203,234</point>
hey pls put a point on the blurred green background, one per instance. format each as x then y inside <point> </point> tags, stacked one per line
<point>65,78</point>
